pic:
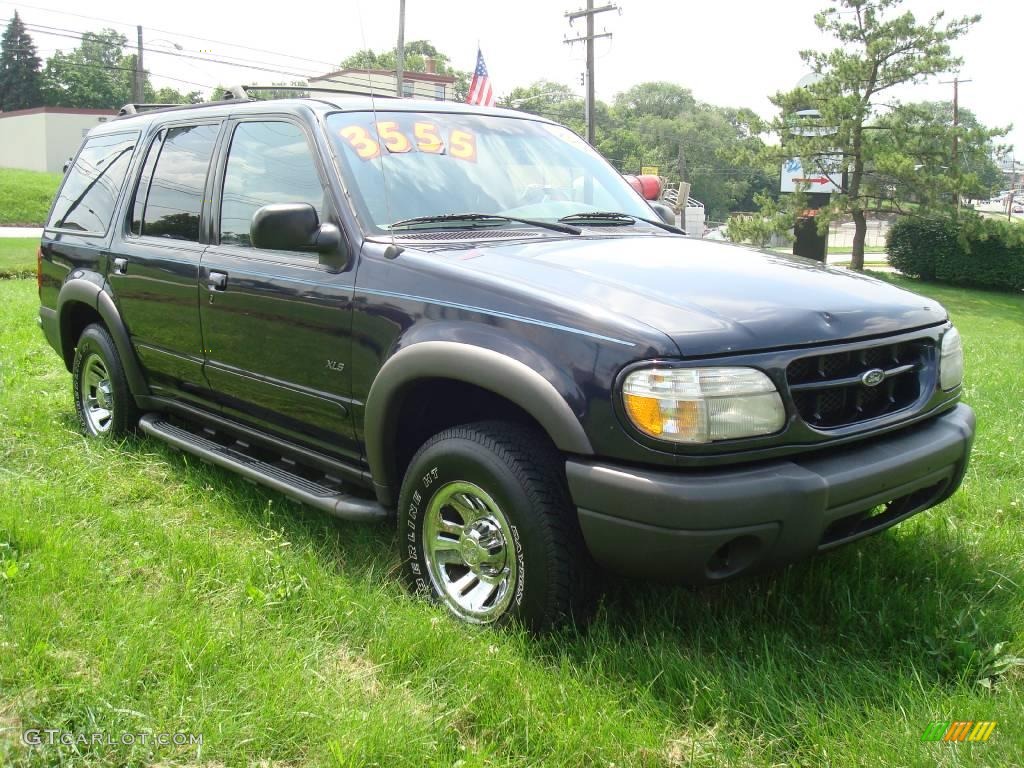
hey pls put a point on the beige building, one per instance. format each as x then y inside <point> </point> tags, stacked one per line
<point>383,82</point>
<point>44,138</point>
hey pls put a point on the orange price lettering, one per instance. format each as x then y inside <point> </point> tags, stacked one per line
<point>361,141</point>
<point>462,144</point>
<point>393,138</point>
<point>427,138</point>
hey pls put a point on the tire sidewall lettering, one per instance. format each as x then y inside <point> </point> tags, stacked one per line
<point>428,484</point>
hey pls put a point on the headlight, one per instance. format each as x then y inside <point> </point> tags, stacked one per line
<point>951,366</point>
<point>699,405</point>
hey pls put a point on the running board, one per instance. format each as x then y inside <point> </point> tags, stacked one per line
<point>325,494</point>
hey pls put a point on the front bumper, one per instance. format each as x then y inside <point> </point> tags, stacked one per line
<point>708,525</point>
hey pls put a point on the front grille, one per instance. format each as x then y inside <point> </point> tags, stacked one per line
<point>828,390</point>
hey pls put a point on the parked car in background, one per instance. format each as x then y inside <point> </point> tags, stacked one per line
<point>465,322</point>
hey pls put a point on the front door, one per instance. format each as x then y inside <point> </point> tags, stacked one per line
<point>276,324</point>
<point>154,260</point>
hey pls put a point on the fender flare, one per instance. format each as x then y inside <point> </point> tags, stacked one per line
<point>82,290</point>
<point>494,371</point>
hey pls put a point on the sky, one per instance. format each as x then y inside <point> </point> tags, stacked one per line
<point>728,52</point>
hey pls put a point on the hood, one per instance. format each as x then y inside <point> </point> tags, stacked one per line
<point>708,297</point>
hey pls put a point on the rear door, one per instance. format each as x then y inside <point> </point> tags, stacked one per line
<point>154,259</point>
<point>276,324</point>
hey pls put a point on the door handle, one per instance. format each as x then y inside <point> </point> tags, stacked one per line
<point>120,266</point>
<point>217,281</point>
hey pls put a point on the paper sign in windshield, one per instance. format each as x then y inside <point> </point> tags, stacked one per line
<point>425,137</point>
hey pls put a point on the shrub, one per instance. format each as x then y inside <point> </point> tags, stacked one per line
<point>970,251</point>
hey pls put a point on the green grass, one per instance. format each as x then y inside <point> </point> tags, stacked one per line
<point>25,197</point>
<point>143,591</point>
<point>868,249</point>
<point>18,256</point>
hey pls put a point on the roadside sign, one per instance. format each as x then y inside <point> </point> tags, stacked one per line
<point>827,181</point>
<point>649,170</point>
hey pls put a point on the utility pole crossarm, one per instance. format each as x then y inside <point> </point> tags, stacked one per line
<point>589,11</point>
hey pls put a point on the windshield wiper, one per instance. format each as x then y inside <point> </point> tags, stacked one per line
<point>616,219</point>
<point>484,218</point>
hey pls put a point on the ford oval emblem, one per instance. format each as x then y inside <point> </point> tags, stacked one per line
<point>873,378</point>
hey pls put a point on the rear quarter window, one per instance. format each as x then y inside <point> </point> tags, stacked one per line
<point>89,194</point>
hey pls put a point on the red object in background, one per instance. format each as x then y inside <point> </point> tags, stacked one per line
<point>647,185</point>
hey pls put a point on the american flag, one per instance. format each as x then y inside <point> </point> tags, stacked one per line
<point>480,91</point>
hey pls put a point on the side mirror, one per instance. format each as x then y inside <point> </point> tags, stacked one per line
<point>296,227</point>
<point>665,213</point>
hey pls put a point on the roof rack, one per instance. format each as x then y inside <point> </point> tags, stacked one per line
<point>235,93</point>
<point>241,93</point>
<point>134,109</point>
<point>315,89</point>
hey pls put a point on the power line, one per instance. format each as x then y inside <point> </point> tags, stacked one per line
<point>81,36</point>
<point>168,32</point>
<point>83,65</point>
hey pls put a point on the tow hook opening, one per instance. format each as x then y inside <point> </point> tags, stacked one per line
<point>733,556</point>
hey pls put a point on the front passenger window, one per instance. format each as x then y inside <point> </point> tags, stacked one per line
<point>269,162</point>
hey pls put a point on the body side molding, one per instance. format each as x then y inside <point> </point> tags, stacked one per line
<point>483,367</point>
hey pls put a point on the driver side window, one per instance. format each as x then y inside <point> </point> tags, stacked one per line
<point>269,162</point>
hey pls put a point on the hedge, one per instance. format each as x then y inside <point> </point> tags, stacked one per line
<point>970,251</point>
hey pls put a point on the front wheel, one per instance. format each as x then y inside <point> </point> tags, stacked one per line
<point>488,528</point>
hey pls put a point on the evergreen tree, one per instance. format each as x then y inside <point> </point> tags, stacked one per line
<point>19,68</point>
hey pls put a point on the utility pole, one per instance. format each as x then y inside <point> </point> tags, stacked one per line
<point>400,58</point>
<point>956,138</point>
<point>139,89</point>
<point>589,13</point>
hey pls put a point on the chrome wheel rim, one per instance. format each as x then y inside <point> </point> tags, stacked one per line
<point>97,395</point>
<point>470,552</point>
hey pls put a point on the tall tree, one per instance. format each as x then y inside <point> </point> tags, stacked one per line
<point>549,99</point>
<point>97,74</point>
<point>661,124</point>
<point>910,156</point>
<point>19,68</point>
<point>878,48</point>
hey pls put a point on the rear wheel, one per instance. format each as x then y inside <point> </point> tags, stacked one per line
<point>489,530</point>
<point>104,403</point>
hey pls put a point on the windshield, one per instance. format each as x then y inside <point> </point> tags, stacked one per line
<point>405,165</point>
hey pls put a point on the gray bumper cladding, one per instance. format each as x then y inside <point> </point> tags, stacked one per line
<point>708,525</point>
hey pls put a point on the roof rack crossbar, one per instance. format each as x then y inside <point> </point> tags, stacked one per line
<point>134,109</point>
<point>235,93</point>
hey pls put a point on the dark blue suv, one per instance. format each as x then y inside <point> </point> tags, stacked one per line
<point>465,320</point>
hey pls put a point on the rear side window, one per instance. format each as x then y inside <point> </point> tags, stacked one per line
<point>268,163</point>
<point>173,199</point>
<point>89,193</point>
<point>142,191</point>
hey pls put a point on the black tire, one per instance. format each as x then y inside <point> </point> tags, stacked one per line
<point>96,352</point>
<point>553,580</point>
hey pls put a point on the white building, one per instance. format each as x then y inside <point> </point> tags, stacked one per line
<point>44,138</point>
<point>383,82</point>
<point>1013,173</point>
